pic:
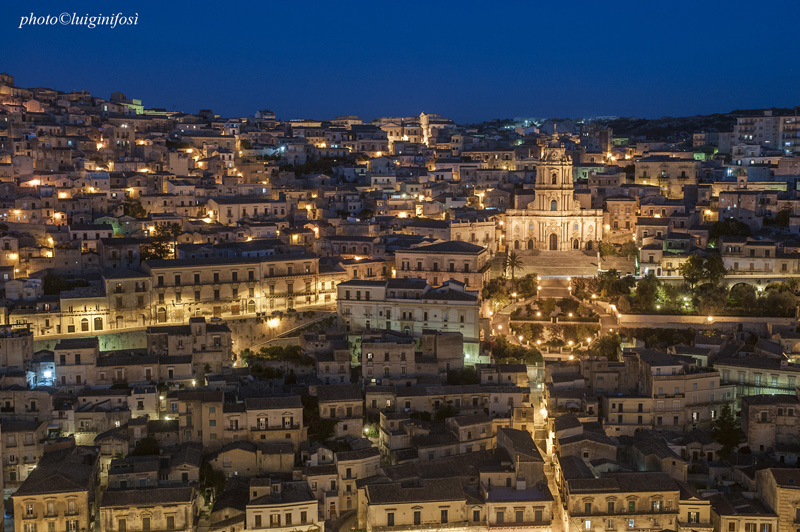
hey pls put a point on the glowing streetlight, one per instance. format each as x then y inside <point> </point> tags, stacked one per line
<point>572,357</point>
<point>499,327</point>
<point>520,338</point>
<point>588,340</point>
<point>570,342</point>
<point>538,314</point>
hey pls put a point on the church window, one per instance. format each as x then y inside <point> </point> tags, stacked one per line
<point>554,205</point>
<point>575,227</point>
<point>554,178</point>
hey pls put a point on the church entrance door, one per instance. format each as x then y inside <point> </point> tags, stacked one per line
<point>553,242</point>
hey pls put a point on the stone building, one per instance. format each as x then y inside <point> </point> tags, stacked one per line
<point>59,493</point>
<point>554,220</point>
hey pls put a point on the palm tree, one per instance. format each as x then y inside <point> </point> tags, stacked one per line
<point>513,263</point>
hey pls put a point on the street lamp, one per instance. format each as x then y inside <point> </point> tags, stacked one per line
<point>570,343</point>
<point>520,338</point>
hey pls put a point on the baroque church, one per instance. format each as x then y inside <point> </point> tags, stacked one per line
<point>554,220</point>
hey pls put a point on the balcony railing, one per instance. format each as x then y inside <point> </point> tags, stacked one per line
<point>294,426</point>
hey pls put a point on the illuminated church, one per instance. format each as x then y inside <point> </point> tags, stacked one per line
<point>554,220</point>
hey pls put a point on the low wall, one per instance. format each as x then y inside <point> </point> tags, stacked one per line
<point>661,321</point>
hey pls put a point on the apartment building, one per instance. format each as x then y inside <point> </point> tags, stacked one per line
<point>346,405</point>
<point>436,263</point>
<point>225,287</point>
<point>410,306</point>
<point>684,396</point>
<point>282,507</point>
<point>153,508</point>
<point>772,424</point>
<point>777,488</point>
<point>60,493</point>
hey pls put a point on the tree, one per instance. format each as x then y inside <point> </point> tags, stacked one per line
<point>134,208</point>
<point>162,242</point>
<point>146,447</point>
<point>607,249</point>
<point>527,286</point>
<point>744,295</point>
<point>629,250</point>
<point>779,303</point>
<point>692,270</point>
<point>729,227</point>
<point>712,302</point>
<point>647,291</point>
<point>714,269</point>
<point>496,291</point>
<point>725,430</point>
<point>513,263</point>
<point>606,346</point>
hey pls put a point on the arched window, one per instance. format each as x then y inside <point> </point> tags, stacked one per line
<point>85,325</point>
<point>554,178</point>
<point>98,324</point>
<point>554,205</point>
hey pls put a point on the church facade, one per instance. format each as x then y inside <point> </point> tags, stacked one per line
<point>554,220</point>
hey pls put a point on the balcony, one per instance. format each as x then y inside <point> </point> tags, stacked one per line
<point>518,524</point>
<point>264,428</point>
<point>462,525</point>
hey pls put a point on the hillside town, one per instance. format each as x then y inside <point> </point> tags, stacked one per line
<point>226,324</point>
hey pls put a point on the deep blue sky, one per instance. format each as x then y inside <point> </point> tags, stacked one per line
<point>467,60</point>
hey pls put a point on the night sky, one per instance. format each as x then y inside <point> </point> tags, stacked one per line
<point>470,61</point>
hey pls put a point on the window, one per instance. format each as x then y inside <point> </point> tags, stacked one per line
<point>587,525</point>
<point>631,523</point>
<point>417,517</point>
<point>444,516</point>
<point>476,516</point>
<point>587,507</point>
<point>170,522</point>
<point>145,523</point>
<point>611,507</point>
<point>656,505</point>
<point>694,517</point>
<point>389,518</point>
<point>631,506</point>
<point>520,516</point>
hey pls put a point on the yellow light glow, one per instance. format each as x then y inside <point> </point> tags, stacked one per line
<point>273,322</point>
<point>62,195</point>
